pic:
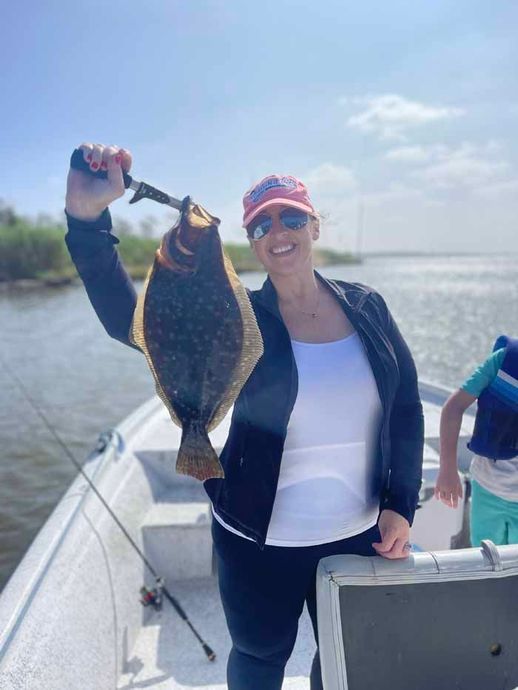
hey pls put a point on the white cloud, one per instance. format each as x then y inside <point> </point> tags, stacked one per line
<point>507,189</point>
<point>408,154</point>
<point>465,166</point>
<point>389,116</point>
<point>418,154</point>
<point>329,179</point>
<point>427,209</point>
<point>396,193</point>
<point>466,172</point>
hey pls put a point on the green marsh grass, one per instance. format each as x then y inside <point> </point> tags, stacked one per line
<point>39,253</point>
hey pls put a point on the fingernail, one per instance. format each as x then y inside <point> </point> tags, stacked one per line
<point>89,157</point>
<point>118,159</point>
<point>95,166</point>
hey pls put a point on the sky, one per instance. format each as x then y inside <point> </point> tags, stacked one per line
<point>401,117</point>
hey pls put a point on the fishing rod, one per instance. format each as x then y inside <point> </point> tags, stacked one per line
<point>149,597</point>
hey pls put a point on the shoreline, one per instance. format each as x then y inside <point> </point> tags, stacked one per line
<point>55,282</point>
<point>139,272</point>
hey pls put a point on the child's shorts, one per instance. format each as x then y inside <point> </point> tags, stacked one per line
<point>492,517</point>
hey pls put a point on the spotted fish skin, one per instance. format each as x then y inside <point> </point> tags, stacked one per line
<point>196,326</point>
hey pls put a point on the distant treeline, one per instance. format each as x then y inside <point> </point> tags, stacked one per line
<point>30,250</point>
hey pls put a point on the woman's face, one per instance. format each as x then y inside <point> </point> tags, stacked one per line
<point>298,243</point>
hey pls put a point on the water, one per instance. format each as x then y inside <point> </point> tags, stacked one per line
<point>448,308</point>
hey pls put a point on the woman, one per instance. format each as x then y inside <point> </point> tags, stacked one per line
<point>324,451</point>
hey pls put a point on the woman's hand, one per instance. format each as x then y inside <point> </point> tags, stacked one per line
<point>88,196</point>
<point>395,533</point>
<point>448,488</point>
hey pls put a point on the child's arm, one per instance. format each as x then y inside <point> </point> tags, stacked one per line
<point>449,486</point>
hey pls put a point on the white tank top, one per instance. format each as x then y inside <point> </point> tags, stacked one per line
<point>323,492</point>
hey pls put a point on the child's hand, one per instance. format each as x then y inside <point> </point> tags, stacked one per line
<point>449,487</point>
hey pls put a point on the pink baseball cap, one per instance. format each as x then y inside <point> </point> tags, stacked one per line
<point>275,189</point>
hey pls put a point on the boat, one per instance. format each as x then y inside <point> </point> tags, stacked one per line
<point>71,616</point>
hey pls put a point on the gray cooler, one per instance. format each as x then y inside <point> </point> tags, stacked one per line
<point>445,620</point>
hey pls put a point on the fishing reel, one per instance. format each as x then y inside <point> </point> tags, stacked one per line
<point>153,597</point>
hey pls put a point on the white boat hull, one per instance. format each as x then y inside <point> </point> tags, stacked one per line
<point>70,616</point>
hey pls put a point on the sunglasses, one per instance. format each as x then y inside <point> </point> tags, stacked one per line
<point>290,218</point>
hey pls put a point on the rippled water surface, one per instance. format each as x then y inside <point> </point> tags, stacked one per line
<point>449,309</point>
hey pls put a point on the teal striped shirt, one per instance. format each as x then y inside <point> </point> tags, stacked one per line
<point>484,375</point>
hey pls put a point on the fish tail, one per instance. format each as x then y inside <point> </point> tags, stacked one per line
<point>196,456</point>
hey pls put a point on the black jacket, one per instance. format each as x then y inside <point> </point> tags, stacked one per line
<point>252,454</point>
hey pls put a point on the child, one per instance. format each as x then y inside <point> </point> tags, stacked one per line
<point>494,468</point>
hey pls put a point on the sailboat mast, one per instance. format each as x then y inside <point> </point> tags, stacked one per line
<point>359,228</point>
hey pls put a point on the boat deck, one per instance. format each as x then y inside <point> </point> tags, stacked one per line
<point>81,556</point>
<point>166,654</point>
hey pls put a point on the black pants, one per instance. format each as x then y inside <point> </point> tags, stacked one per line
<point>263,595</point>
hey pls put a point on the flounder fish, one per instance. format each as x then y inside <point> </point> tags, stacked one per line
<point>196,326</point>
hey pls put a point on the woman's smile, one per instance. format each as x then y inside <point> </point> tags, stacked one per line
<point>283,249</point>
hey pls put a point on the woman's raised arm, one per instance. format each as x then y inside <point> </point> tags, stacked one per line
<point>90,242</point>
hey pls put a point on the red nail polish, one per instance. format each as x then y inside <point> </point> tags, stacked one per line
<point>118,159</point>
<point>95,166</point>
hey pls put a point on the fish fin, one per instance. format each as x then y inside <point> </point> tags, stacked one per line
<point>252,348</point>
<point>138,338</point>
<point>196,456</point>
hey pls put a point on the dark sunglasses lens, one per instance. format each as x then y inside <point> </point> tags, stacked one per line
<point>259,227</point>
<point>293,219</point>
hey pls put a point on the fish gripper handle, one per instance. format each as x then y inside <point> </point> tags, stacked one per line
<point>146,191</point>
<point>77,162</point>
